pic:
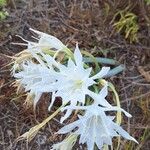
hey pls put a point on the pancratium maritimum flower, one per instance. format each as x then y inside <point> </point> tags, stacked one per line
<point>38,72</point>
<point>32,76</point>
<point>48,41</point>
<point>75,81</point>
<point>95,127</point>
<point>44,41</point>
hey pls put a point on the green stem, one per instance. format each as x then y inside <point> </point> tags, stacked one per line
<point>115,71</point>
<point>101,60</point>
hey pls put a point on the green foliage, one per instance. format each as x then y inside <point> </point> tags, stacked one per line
<point>127,25</point>
<point>3,13</point>
<point>3,3</point>
<point>147,2</point>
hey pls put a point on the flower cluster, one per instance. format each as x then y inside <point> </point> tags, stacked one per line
<point>74,82</point>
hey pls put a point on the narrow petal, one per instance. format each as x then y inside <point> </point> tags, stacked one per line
<point>98,99</point>
<point>52,101</point>
<point>42,87</point>
<point>123,133</point>
<point>68,128</point>
<point>70,63</point>
<point>37,98</point>
<point>37,32</point>
<point>77,55</point>
<point>115,108</point>
<point>49,59</point>
<point>99,143</point>
<point>75,107</point>
<point>104,91</point>
<point>67,114</point>
<point>90,144</point>
<point>102,73</point>
<point>49,41</point>
<point>88,71</point>
<point>37,57</point>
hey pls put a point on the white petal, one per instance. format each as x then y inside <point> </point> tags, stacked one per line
<point>37,32</point>
<point>123,133</point>
<point>98,99</point>
<point>104,91</point>
<point>36,99</point>
<point>52,101</point>
<point>90,144</point>
<point>77,55</point>
<point>70,63</point>
<point>78,96</point>
<point>68,128</point>
<point>37,57</point>
<point>49,59</point>
<point>75,107</point>
<point>88,71</point>
<point>102,73</point>
<point>49,41</point>
<point>67,114</point>
<point>107,139</point>
<point>66,144</point>
<point>42,87</point>
<point>112,117</point>
<point>115,108</point>
<point>99,143</point>
<point>33,48</point>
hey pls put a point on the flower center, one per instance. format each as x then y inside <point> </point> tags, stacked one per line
<point>78,84</point>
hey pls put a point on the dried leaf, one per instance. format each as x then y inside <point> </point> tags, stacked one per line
<point>29,135</point>
<point>145,74</point>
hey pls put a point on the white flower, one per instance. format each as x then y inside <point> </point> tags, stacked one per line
<point>44,42</point>
<point>66,144</point>
<point>95,127</point>
<point>33,76</point>
<point>48,41</point>
<point>75,81</point>
<point>69,82</point>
